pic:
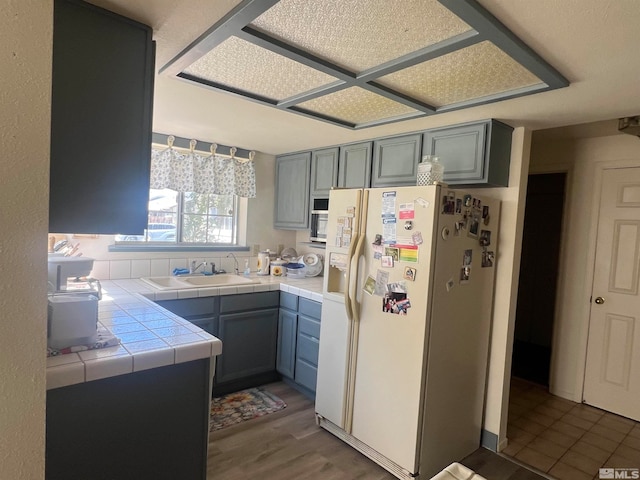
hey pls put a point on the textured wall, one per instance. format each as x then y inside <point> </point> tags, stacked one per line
<point>25,85</point>
<point>506,288</point>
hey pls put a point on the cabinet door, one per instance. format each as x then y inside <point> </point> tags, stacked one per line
<point>324,171</point>
<point>287,327</point>
<point>395,161</point>
<point>292,191</point>
<point>354,168</point>
<point>208,324</point>
<point>474,154</point>
<point>249,341</point>
<point>101,108</point>
<point>460,149</point>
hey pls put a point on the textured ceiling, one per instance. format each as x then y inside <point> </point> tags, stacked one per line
<point>360,34</point>
<point>359,63</point>
<point>593,43</point>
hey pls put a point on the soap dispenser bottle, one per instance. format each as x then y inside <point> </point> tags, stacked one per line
<point>247,270</point>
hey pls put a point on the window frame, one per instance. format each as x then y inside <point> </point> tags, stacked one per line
<point>239,215</point>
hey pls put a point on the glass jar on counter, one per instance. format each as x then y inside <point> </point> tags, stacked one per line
<point>430,170</point>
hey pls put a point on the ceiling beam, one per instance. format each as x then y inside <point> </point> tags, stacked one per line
<point>481,20</point>
<point>439,49</point>
<point>349,79</point>
<point>245,12</point>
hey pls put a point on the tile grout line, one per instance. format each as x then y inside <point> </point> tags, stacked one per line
<point>531,409</point>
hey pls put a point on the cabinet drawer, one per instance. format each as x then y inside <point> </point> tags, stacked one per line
<point>307,349</point>
<point>308,326</point>
<point>310,308</point>
<point>306,375</point>
<point>288,300</point>
<point>249,301</point>
<point>188,307</point>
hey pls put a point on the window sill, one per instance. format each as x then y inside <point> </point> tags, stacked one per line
<point>176,248</point>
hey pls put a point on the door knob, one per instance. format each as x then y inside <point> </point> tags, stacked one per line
<point>599,300</point>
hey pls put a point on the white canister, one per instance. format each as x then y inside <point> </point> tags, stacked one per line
<point>263,263</point>
<point>430,170</point>
<point>278,267</point>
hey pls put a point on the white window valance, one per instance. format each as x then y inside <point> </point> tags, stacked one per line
<point>197,172</point>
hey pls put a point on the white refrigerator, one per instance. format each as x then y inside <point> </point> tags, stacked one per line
<point>406,318</point>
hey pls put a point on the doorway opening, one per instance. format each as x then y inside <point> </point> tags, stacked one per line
<point>535,310</point>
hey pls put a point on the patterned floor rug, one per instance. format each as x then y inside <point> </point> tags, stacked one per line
<point>241,406</point>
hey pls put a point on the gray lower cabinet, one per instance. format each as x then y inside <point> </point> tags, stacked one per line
<point>298,341</point>
<point>292,191</point>
<point>202,312</point>
<point>308,342</point>
<point>147,424</point>
<point>395,161</point>
<point>247,324</point>
<point>287,328</point>
<point>354,167</point>
<point>473,154</point>
<point>324,171</point>
<point>250,344</point>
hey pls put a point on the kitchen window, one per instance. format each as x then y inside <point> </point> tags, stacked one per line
<point>188,218</point>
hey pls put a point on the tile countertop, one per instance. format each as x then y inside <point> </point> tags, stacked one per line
<point>151,336</point>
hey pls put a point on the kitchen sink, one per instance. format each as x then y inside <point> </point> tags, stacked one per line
<point>197,281</point>
<point>167,283</point>
<point>220,280</point>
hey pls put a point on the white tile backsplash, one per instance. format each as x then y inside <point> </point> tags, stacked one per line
<point>140,268</point>
<point>159,267</point>
<point>119,269</point>
<point>178,263</point>
<point>100,269</point>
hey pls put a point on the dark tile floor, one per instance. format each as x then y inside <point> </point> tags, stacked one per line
<point>567,440</point>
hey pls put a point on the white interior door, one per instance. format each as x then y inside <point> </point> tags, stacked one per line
<point>612,372</point>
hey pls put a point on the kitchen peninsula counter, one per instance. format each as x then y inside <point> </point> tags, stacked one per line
<point>140,409</point>
<point>151,336</point>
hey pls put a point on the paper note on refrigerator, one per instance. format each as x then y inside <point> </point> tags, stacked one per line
<point>388,204</point>
<point>389,230</point>
<point>382,278</point>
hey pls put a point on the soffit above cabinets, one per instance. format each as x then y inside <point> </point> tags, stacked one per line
<point>360,63</point>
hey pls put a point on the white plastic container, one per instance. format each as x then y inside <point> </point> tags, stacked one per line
<point>295,270</point>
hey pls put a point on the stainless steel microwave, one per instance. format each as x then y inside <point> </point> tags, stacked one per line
<point>319,220</point>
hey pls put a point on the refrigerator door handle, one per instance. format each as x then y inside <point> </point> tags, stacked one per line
<point>355,306</point>
<point>347,293</point>
<point>355,314</point>
<point>350,255</point>
<point>362,230</point>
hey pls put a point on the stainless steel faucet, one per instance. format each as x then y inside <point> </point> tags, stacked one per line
<point>235,260</point>
<point>194,268</point>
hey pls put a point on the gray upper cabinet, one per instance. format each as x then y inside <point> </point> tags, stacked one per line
<point>292,191</point>
<point>101,111</point>
<point>395,161</point>
<point>324,171</point>
<point>473,154</point>
<point>354,168</point>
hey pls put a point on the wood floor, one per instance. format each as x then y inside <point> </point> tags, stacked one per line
<point>288,445</point>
